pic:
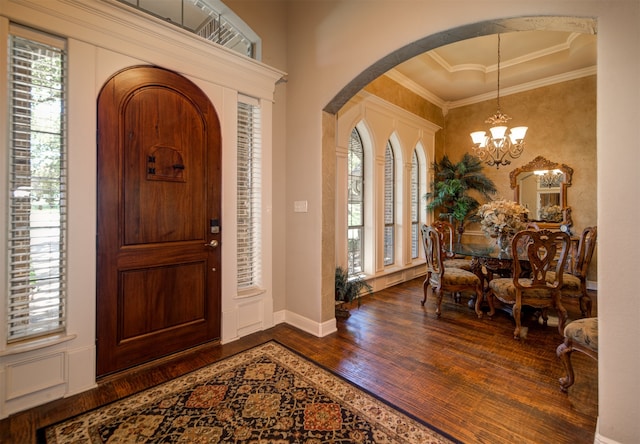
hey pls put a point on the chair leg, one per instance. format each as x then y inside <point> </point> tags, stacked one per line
<point>478,301</point>
<point>438,294</point>
<point>517,311</point>
<point>585,304</point>
<point>563,352</point>
<point>425,289</point>
<point>545,316</point>
<point>491,302</point>
<point>562,316</point>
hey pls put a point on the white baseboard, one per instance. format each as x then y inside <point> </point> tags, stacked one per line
<point>599,439</point>
<point>317,329</point>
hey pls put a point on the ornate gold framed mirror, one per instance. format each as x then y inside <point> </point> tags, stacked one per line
<point>541,186</point>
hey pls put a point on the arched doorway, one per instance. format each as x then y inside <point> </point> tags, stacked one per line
<point>547,23</point>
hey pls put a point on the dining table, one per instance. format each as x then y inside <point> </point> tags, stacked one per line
<point>488,261</point>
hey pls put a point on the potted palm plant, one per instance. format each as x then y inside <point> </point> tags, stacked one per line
<point>348,289</point>
<point>450,189</point>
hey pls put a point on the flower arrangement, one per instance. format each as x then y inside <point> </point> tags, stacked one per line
<point>552,213</point>
<point>502,217</point>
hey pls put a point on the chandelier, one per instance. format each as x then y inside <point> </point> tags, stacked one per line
<point>501,141</point>
<point>549,179</point>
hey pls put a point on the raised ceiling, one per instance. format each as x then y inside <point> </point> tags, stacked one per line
<point>466,71</point>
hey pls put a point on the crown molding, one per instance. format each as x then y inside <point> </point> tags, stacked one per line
<point>486,69</point>
<point>445,105</point>
<point>528,86</point>
<point>412,86</point>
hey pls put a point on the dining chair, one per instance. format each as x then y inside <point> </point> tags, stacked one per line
<point>441,278</point>
<point>448,235</point>
<point>579,335</point>
<point>546,251</point>
<point>574,282</point>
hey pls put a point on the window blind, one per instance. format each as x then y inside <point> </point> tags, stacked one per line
<point>355,204</point>
<point>37,186</point>
<point>249,192</point>
<point>415,204</point>
<point>389,205</point>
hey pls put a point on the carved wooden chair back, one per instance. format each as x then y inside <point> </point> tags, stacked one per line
<point>441,279</point>
<point>575,283</point>
<point>547,251</point>
<point>432,239</point>
<point>448,235</point>
<point>539,287</point>
<point>586,248</point>
<point>448,232</point>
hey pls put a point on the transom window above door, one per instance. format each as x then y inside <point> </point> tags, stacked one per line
<point>210,19</point>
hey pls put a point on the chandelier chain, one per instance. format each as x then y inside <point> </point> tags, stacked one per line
<point>500,142</point>
<point>498,99</point>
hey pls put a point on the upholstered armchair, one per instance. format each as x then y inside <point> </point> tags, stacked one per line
<point>546,251</point>
<point>440,278</point>
<point>580,335</point>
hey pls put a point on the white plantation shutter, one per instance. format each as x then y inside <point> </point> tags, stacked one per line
<point>37,185</point>
<point>355,204</point>
<point>249,191</point>
<point>389,206</point>
<point>415,204</point>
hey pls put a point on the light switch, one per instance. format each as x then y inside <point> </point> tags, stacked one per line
<point>300,206</point>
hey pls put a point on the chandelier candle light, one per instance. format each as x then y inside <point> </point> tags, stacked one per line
<point>494,147</point>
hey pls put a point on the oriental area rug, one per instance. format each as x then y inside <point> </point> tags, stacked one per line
<point>265,395</point>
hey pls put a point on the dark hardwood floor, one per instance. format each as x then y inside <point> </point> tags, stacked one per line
<point>463,375</point>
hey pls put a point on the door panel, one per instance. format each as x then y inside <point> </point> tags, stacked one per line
<point>146,292</point>
<point>158,189</point>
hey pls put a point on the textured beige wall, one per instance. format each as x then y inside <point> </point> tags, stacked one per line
<point>392,92</point>
<point>562,128</point>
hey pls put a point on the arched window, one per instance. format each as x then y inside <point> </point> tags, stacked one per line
<point>355,204</point>
<point>389,206</point>
<point>415,205</point>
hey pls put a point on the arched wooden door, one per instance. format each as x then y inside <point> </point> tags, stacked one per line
<point>159,182</point>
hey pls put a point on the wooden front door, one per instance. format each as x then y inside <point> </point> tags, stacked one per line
<point>159,182</point>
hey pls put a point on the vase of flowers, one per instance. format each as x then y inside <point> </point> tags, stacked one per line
<point>551,213</point>
<point>501,219</point>
<point>504,241</point>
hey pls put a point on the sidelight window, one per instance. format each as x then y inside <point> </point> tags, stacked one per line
<point>249,192</point>
<point>37,184</point>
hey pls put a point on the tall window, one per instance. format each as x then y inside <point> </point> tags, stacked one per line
<point>415,204</point>
<point>37,184</point>
<point>355,204</point>
<point>249,194</point>
<point>389,205</point>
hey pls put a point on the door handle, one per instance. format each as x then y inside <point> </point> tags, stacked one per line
<point>212,244</point>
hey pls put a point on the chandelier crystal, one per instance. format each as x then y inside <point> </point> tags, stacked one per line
<point>501,141</point>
